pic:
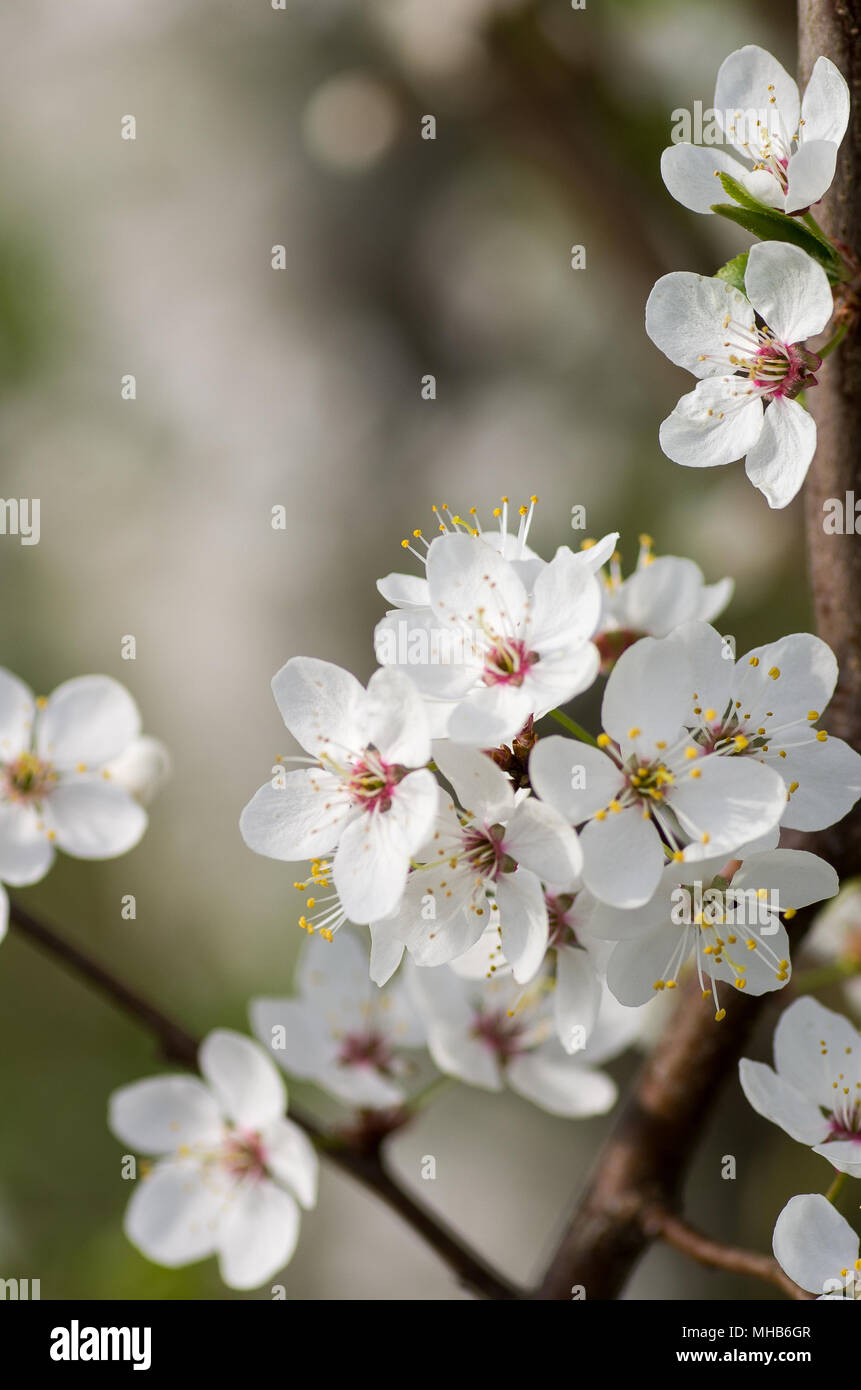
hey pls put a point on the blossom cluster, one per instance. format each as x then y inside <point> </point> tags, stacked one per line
<point>746,333</point>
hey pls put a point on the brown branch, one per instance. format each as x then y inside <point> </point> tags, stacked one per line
<point>365,1165</point>
<point>645,1162</point>
<point>665,1225</point>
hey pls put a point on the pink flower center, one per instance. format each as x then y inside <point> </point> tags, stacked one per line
<point>243,1154</point>
<point>366,1049</point>
<point>498,1031</point>
<point>484,850</point>
<point>372,782</point>
<point>508,663</point>
<point>783,369</point>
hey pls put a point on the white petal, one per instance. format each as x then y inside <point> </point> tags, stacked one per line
<point>541,840</point>
<point>482,788</point>
<point>685,316</point>
<point>162,1113</point>
<point>322,705</point>
<point>829,783</point>
<point>805,676</point>
<point>174,1213</point>
<point>799,877</point>
<point>92,819</point>
<point>26,853</point>
<point>566,603</point>
<point>442,659</point>
<point>560,1084</point>
<point>647,696</point>
<point>576,998</point>
<point>789,289</point>
<point>733,800</point>
<point>465,577</point>
<point>825,105</point>
<point>777,1100</point>
<point>387,951</point>
<point>777,463</point>
<point>397,724</point>
<point>813,1242</point>
<point>636,964</point>
<point>373,857</point>
<point>306,1044</point>
<point>573,777</point>
<point>142,769</point>
<point>751,80</point>
<point>89,720</point>
<point>798,1048</point>
<point>492,715</point>
<point>257,1235</point>
<point>17,712</point>
<point>842,1154</point>
<point>292,1160</point>
<point>810,173</point>
<point>661,595</point>
<point>243,1078</point>
<point>622,858</point>
<point>711,667</point>
<point>690,172</point>
<point>712,425</point>
<point>302,819</point>
<point>522,922</point>
<point>404,590</point>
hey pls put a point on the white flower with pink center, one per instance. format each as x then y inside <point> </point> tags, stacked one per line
<point>488,651</point>
<point>494,1033</point>
<point>814,1090</point>
<point>342,1032</point>
<point>751,371</point>
<point>482,866</point>
<point>818,1248</point>
<point>786,151</point>
<point>649,793</point>
<point>366,793</point>
<point>230,1170</point>
<point>661,592</point>
<point>57,789</point>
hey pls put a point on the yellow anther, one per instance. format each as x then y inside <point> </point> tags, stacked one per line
<point>711,714</point>
<point>696,772</point>
<point>740,742</point>
<point>821,736</point>
<point>603,739</point>
<point>635,732</point>
<point>678,856</point>
<point>774,672</point>
<point>813,714</point>
<point>720,1015</point>
<point>754,661</point>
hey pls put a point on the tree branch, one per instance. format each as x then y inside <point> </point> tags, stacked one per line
<point>364,1165</point>
<point>674,1231</point>
<point>646,1159</point>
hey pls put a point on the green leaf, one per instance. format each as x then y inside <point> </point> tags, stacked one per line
<point>776,226</point>
<point>738,191</point>
<point>733,271</point>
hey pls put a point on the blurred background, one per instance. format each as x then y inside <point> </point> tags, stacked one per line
<point>302,387</point>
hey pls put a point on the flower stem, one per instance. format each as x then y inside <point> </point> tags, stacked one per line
<point>809,981</point>
<point>836,1188</point>
<point>573,727</point>
<point>835,340</point>
<point>429,1093</point>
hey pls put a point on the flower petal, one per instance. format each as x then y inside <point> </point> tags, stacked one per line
<point>777,1100</point>
<point>789,289</point>
<point>560,1084</point>
<point>576,998</point>
<point>810,173</point>
<point>691,174</point>
<point>292,1160</point>
<point>810,1045</point>
<point>323,706</point>
<point>88,720</point>
<point>751,80</point>
<point>685,318</point>
<point>163,1113</point>
<point>257,1234</point>
<point>244,1079</point>
<point>92,819</point>
<point>17,713</point>
<point>541,840</point>
<point>26,853</point>
<point>712,425</point>
<point>397,724</point>
<point>825,105</point>
<point>813,1242</point>
<point>622,858</point>
<point>301,818</point>
<point>777,463</point>
<point>174,1214</point>
<point>573,777</point>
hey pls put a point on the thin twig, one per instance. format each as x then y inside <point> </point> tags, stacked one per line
<point>176,1044</point>
<point>666,1226</point>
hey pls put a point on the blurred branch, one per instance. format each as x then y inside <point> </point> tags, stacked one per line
<point>363,1164</point>
<point>691,1242</point>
